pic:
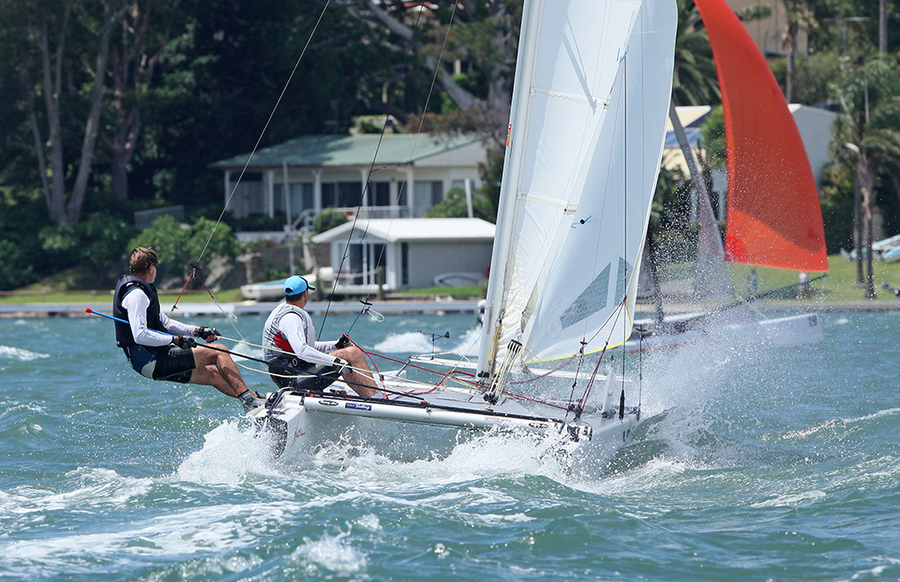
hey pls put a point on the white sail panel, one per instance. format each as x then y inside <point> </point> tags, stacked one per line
<point>591,289</point>
<point>563,166</point>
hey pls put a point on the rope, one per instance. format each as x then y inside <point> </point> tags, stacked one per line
<point>434,76</point>
<point>367,187</point>
<point>194,266</point>
<point>265,128</point>
<point>409,187</point>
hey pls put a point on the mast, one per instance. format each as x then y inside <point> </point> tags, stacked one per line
<point>501,264</point>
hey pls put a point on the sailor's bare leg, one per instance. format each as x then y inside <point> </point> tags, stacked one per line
<point>217,369</point>
<point>360,379</point>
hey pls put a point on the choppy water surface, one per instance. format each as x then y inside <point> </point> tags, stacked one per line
<point>752,464</point>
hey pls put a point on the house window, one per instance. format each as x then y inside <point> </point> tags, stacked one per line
<point>364,261</point>
<point>329,194</point>
<point>278,198</point>
<point>404,264</point>
<point>380,194</point>
<point>302,197</point>
<point>427,195</point>
<point>350,194</point>
<point>437,192</point>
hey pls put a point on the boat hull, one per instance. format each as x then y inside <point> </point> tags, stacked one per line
<point>407,429</point>
<point>789,331</point>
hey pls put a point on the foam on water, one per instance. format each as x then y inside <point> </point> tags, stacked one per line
<point>183,533</point>
<point>330,553</point>
<point>420,343</point>
<point>406,342</point>
<point>20,354</point>
<point>231,455</point>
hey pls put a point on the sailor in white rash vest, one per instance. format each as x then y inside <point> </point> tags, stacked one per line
<point>161,348</point>
<point>290,348</point>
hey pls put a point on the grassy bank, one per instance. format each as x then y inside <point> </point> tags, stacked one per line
<point>105,296</point>
<point>839,286</point>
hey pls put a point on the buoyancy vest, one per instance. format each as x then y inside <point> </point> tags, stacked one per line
<point>123,331</point>
<point>274,342</point>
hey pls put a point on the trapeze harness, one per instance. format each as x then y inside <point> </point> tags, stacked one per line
<point>288,369</point>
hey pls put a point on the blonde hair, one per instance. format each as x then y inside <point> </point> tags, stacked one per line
<point>142,258</point>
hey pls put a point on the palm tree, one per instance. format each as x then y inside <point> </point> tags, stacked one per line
<point>694,81</point>
<point>799,17</point>
<point>868,137</point>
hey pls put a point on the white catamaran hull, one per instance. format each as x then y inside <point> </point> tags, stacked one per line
<point>789,331</point>
<point>296,423</point>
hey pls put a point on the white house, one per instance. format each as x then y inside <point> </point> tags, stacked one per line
<point>372,175</point>
<point>415,253</point>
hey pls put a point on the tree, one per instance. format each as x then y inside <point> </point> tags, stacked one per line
<point>63,53</point>
<point>327,219</point>
<point>143,35</point>
<point>799,17</point>
<point>694,80</point>
<point>454,205</point>
<point>96,242</point>
<point>483,41</point>
<point>868,138</point>
<point>177,245</point>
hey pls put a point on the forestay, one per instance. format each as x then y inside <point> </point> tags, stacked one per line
<point>592,87</point>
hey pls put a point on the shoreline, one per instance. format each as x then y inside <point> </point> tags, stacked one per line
<point>187,309</point>
<point>402,307</point>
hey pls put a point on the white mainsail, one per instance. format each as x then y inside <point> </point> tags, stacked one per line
<point>587,125</point>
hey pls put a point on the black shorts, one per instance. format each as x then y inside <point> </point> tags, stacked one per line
<point>292,371</point>
<point>174,365</point>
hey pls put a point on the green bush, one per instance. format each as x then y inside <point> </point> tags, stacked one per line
<point>95,243</point>
<point>454,206</point>
<point>178,245</point>
<point>15,270</point>
<point>328,219</point>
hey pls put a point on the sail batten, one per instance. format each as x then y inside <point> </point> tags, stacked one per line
<point>587,125</point>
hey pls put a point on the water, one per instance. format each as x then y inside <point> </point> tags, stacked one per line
<point>752,464</point>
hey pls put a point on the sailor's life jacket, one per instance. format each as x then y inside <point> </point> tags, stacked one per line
<point>125,284</point>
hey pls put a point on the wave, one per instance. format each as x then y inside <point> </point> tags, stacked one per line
<point>411,342</point>
<point>20,354</point>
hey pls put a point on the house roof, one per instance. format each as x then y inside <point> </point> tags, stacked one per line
<point>692,118</point>
<point>411,229</point>
<point>349,150</point>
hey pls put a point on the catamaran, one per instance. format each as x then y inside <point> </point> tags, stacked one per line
<point>586,133</point>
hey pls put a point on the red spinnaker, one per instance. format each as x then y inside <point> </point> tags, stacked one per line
<point>774,216</point>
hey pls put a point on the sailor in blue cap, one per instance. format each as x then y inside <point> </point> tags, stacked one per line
<point>296,358</point>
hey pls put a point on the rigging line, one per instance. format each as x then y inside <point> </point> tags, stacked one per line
<point>265,128</point>
<point>231,317</point>
<point>565,363</point>
<point>577,370</point>
<point>345,255</point>
<point>618,312</point>
<point>587,391</point>
<point>437,68</point>
<point>624,211</point>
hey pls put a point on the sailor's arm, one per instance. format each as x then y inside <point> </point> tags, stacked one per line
<point>176,327</point>
<point>326,347</point>
<point>292,327</point>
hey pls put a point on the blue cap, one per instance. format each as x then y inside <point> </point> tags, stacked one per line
<point>295,285</point>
